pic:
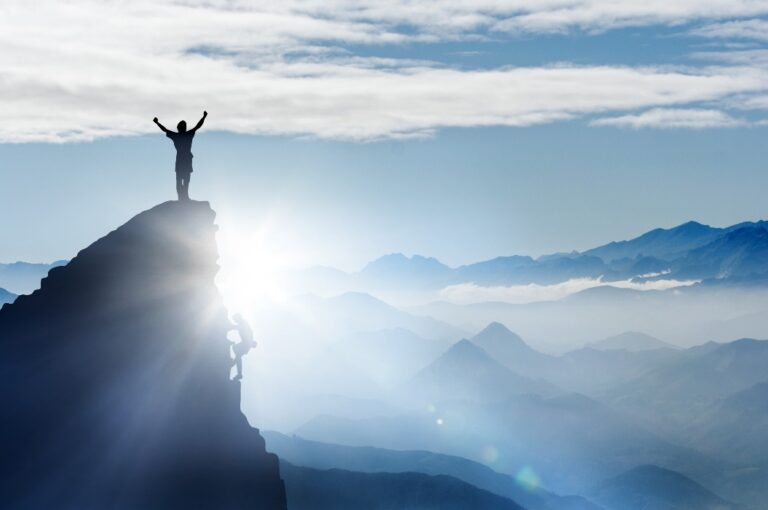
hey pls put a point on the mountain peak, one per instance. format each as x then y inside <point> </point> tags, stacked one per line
<point>399,259</point>
<point>466,371</point>
<point>665,244</point>
<point>120,365</point>
<point>691,225</point>
<point>498,330</point>
<point>465,350</point>
<point>396,270</point>
<point>465,357</point>
<point>500,342</point>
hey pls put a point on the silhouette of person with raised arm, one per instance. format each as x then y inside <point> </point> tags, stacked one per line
<point>183,143</point>
<point>246,343</point>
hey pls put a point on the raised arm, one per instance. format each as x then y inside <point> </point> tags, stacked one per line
<point>160,125</point>
<point>200,122</point>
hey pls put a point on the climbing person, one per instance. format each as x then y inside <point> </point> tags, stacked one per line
<point>183,143</point>
<point>246,343</point>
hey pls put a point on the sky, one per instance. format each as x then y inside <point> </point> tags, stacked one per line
<point>340,131</point>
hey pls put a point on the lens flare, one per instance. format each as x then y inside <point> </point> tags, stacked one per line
<point>527,478</point>
<point>490,454</point>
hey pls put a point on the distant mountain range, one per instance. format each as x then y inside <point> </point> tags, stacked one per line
<point>24,277</point>
<point>666,244</point>
<point>691,251</point>
<point>735,427</point>
<point>494,389</point>
<point>338,489</point>
<point>325,456</point>
<point>571,441</point>
<point>681,392</point>
<point>604,363</point>
<point>467,372</point>
<point>511,351</point>
<point>352,312</point>
<point>6,297</point>
<point>630,341</point>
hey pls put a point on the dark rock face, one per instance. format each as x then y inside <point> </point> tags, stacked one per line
<point>114,380</point>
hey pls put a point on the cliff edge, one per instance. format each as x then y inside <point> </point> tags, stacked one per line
<point>114,380</point>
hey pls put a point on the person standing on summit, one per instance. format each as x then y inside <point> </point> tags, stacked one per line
<point>183,143</point>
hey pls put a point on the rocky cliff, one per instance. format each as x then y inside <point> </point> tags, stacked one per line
<point>114,380</point>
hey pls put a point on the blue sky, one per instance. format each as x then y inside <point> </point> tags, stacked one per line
<point>347,130</point>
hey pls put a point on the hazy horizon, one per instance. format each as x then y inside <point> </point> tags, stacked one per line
<point>459,131</point>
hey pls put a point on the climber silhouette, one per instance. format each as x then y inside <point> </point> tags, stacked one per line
<point>246,342</point>
<point>183,143</point>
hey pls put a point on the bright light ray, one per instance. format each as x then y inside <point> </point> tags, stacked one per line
<point>252,266</point>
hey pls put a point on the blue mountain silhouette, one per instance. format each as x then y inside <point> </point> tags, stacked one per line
<point>115,380</point>
<point>650,486</point>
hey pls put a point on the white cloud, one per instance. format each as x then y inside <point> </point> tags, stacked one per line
<point>469,293</point>
<point>86,69</point>
<point>749,57</point>
<point>755,29</point>
<point>673,118</point>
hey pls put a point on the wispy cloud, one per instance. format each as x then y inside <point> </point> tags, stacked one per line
<point>673,118</point>
<point>754,29</point>
<point>469,293</point>
<point>749,57</point>
<point>87,69</point>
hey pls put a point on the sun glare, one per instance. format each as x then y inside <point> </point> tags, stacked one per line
<point>252,265</point>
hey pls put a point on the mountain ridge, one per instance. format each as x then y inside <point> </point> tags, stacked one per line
<point>650,486</point>
<point>659,253</point>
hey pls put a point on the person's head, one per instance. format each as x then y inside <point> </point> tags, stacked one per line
<point>182,126</point>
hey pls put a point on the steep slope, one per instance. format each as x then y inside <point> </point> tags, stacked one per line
<point>633,341</point>
<point>510,350</point>
<point>739,253</point>
<point>591,370</point>
<point>653,487</point>
<point>317,455</point>
<point>666,244</point>
<point>521,270</point>
<point>678,393</point>
<point>583,370</point>
<point>115,380</point>
<point>336,489</point>
<point>735,428</point>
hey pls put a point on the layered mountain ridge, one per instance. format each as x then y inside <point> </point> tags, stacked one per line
<point>691,251</point>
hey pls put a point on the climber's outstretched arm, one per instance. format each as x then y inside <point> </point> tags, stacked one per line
<point>165,130</point>
<point>200,122</point>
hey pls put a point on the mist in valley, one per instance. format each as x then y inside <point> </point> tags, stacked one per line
<point>573,386</point>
